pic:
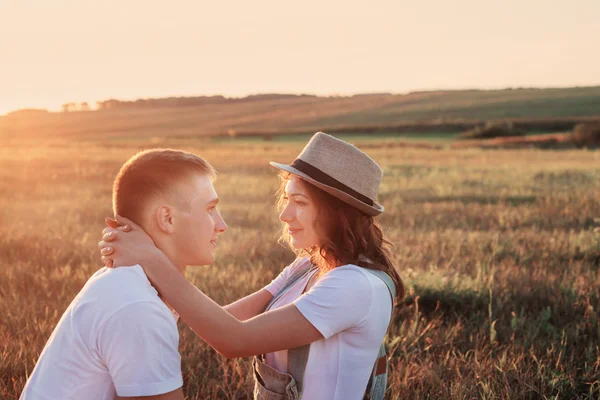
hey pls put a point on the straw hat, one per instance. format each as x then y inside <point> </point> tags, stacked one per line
<point>341,170</point>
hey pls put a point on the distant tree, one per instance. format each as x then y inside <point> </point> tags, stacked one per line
<point>84,106</point>
<point>68,107</point>
<point>492,130</point>
<point>108,104</point>
<point>587,134</point>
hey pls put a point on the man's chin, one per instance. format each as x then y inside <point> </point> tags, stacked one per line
<point>204,261</point>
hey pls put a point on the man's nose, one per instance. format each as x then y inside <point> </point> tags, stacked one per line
<point>220,226</point>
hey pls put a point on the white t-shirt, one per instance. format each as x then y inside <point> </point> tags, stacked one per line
<point>116,336</point>
<point>351,308</point>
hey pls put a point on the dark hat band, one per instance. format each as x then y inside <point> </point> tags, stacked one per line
<point>325,179</point>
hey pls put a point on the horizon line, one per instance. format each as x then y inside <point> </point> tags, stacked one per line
<point>51,109</point>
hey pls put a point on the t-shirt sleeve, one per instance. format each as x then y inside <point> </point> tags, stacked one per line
<point>139,344</point>
<point>338,301</point>
<point>277,283</point>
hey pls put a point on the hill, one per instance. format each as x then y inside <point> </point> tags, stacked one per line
<point>542,109</point>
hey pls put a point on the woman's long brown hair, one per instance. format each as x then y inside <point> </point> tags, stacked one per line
<point>346,234</point>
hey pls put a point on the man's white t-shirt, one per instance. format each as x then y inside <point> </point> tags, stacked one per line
<point>351,308</point>
<point>117,336</point>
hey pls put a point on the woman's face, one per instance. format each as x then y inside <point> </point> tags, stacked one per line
<point>299,214</point>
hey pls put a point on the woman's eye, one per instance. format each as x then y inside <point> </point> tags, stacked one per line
<point>300,203</point>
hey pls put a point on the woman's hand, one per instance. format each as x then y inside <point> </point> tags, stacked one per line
<point>124,243</point>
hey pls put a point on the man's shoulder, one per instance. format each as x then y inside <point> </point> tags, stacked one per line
<point>109,290</point>
<point>125,282</point>
<point>118,298</point>
<point>154,315</point>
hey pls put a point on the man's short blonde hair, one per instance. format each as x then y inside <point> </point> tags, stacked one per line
<point>152,173</point>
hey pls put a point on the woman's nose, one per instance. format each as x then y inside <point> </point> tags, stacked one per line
<point>286,215</point>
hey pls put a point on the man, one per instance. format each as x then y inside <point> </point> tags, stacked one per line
<point>118,338</point>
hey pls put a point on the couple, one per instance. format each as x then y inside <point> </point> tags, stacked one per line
<point>316,330</point>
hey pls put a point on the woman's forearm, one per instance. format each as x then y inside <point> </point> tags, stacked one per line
<point>283,328</point>
<point>208,319</point>
<point>250,306</point>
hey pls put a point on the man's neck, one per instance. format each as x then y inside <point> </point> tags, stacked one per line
<point>180,268</point>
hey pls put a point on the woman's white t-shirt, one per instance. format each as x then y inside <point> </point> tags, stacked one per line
<point>351,308</point>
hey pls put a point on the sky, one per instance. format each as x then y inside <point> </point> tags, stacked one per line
<point>58,51</point>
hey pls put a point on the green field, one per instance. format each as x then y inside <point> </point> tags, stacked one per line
<point>497,249</point>
<point>432,112</point>
<point>431,137</point>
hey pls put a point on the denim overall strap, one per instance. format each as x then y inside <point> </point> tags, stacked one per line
<point>300,272</point>
<point>297,357</point>
<point>269,382</point>
<point>378,380</point>
<point>296,365</point>
<point>386,279</point>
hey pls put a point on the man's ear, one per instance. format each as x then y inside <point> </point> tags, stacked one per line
<point>164,219</point>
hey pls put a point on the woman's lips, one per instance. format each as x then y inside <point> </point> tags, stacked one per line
<point>293,231</point>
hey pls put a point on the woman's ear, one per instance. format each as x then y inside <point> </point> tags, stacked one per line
<point>164,219</point>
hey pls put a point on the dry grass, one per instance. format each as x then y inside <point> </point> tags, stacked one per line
<point>497,248</point>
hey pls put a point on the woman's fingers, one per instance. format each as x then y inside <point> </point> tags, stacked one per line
<point>126,222</point>
<point>111,223</point>
<point>109,236</point>
<point>109,229</point>
<point>107,262</point>
<point>104,243</point>
<point>124,228</point>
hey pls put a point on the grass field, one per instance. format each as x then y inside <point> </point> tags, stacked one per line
<point>497,248</point>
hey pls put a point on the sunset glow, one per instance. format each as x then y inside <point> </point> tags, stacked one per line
<point>62,51</point>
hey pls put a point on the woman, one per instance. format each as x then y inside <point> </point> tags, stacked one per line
<point>333,299</point>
